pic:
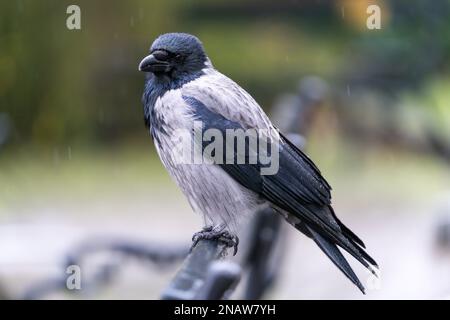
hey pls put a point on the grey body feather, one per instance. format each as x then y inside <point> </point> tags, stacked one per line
<point>210,191</point>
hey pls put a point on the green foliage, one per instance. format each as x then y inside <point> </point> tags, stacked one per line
<point>61,86</point>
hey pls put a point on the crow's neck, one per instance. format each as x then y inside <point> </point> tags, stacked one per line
<point>156,87</point>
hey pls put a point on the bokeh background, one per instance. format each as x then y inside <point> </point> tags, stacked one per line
<point>76,162</point>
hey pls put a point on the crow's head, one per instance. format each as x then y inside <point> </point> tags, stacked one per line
<point>175,55</point>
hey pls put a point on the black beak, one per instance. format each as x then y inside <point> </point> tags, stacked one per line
<point>151,64</point>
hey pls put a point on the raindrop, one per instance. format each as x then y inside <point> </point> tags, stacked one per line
<point>5,127</point>
<point>56,156</point>
<point>101,116</point>
<point>20,6</point>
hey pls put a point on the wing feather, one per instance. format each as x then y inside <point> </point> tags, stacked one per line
<point>298,187</point>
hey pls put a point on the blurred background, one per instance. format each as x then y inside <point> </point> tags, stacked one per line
<point>373,107</point>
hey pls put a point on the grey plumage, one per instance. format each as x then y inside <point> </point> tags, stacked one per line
<point>182,87</point>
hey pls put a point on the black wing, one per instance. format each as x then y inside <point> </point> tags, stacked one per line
<point>298,187</point>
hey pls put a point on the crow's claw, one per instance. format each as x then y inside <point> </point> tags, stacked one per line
<point>223,236</point>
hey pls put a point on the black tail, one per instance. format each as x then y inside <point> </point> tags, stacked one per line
<point>332,251</point>
<point>330,240</point>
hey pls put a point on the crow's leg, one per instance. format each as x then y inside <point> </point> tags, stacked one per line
<point>217,233</point>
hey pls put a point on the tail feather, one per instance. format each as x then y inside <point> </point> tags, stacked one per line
<point>332,251</point>
<point>343,238</point>
<point>356,251</point>
<point>350,234</point>
<point>366,256</point>
<point>357,243</point>
<point>331,241</point>
<point>346,231</point>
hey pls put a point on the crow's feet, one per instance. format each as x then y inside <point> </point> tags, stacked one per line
<point>218,234</point>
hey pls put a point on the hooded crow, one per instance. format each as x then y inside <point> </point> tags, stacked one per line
<point>184,92</point>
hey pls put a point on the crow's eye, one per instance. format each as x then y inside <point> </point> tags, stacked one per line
<point>161,55</point>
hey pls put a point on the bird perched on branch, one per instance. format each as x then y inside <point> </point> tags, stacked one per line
<point>183,93</point>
